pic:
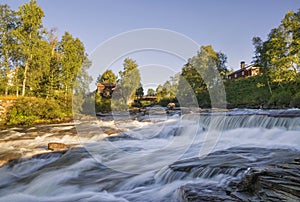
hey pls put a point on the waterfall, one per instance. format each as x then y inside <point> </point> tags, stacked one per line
<point>250,121</point>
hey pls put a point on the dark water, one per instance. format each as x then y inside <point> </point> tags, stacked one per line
<point>245,155</point>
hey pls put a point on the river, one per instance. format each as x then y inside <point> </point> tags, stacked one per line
<point>236,155</point>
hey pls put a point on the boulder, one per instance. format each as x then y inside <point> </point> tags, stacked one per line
<point>56,146</point>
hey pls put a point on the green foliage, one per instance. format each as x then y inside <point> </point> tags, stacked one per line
<point>296,100</point>
<point>202,76</point>
<point>7,25</point>
<point>117,105</point>
<point>249,92</point>
<point>27,111</point>
<point>279,55</point>
<point>108,77</point>
<point>72,60</point>
<point>151,92</point>
<point>130,81</point>
<point>102,104</point>
<point>139,93</point>
<point>190,83</point>
<point>165,101</point>
<point>35,61</point>
<point>280,98</point>
<point>29,39</point>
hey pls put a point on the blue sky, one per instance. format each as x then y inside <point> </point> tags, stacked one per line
<point>228,25</point>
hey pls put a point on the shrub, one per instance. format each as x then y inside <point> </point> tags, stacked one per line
<point>27,111</point>
<point>280,98</point>
<point>296,100</point>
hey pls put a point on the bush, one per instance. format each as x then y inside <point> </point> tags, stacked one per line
<point>296,100</point>
<point>280,98</point>
<point>27,111</point>
<point>251,92</point>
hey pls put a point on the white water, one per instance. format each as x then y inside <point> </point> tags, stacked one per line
<point>135,167</point>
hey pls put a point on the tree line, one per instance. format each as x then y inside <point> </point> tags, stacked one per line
<point>37,66</point>
<point>33,61</point>
<point>278,85</point>
<point>36,63</point>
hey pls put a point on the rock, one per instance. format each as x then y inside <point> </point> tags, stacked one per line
<point>253,174</point>
<point>56,146</point>
<point>277,182</point>
<point>198,192</point>
<point>5,157</point>
<point>110,130</point>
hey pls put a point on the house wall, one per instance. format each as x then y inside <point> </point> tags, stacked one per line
<point>246,72</point>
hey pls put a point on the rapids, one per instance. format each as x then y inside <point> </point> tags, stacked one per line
<point>232,156</point>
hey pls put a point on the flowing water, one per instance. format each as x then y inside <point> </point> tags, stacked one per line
<point>191,157</point>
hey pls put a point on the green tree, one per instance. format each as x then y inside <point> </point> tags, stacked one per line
<point>52,73</point>
<point>108,77</point>
<point>190,82</point>
<point>139,93</point>
<point>279,54</point>
<point>28,34</point>
<point>151,92</point>
<point>7,24</point>
<point>73,54</point>
<point>201,77</point>
<point>81,88</point>
<point>129,81</point>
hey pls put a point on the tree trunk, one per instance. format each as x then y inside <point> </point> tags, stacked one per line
<point>6,90</point>
<point>17,82</point>
<point>17,91</point>
<point>24,79</point>
<point>25,76</point>
<point>7,73</point>
<point>269,87</point>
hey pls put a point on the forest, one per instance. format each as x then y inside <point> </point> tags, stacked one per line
<point>41,72</point>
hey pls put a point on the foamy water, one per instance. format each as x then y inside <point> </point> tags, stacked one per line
<point>135,164</point>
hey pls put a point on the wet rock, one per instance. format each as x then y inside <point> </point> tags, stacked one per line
<point>5,157</point>
<point>110,130</point>
<point>286,113</point>
<point>253,174</point>
<point>56,146</point>
<point>121,136</point>
<point>278,182</point>
<point>198,192</point>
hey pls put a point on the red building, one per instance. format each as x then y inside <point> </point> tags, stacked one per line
<point>245,71</point>
<point>106,89</point>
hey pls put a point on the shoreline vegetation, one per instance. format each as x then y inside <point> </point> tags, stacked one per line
<point>42,75</point>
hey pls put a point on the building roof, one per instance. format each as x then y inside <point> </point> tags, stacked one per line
<point>240,70</point>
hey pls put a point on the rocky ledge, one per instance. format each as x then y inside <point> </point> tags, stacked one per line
<point>255,174</point>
